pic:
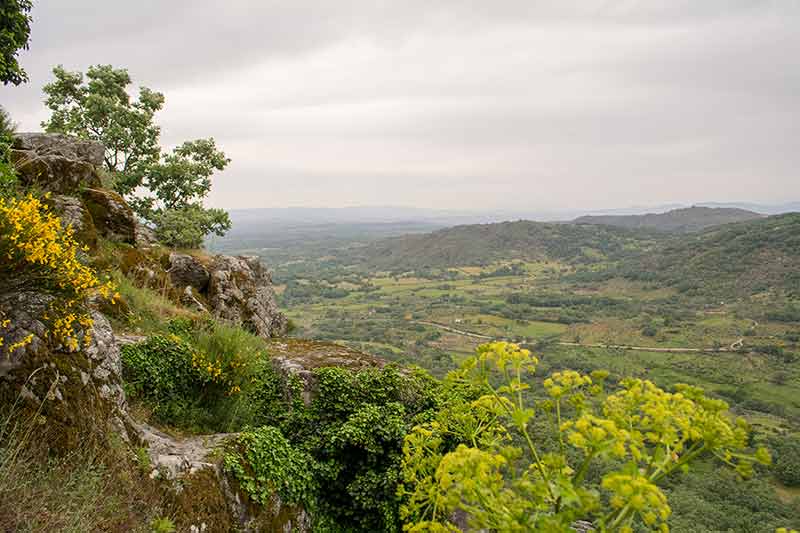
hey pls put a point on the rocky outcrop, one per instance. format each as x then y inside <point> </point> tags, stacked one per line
<point>207,498</point>
<point>112,216</point>
<point>185,270</point>
<point>60,145</point>
<point>299,357</point>
<point>77,391</point>
<point>144,237</point>
<point>240,292</point>
<point>57,163</point>
<point>22,309</point>
<point>73,213</point>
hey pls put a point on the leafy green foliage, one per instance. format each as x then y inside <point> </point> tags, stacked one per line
<point>200,377</point>
<point>15,30</point>
<point>159,370</point>
<point>8,179</point>
<point>505,479</point>
<point>186,227</point>
<point>264,463</point>
<point>166,190</point>
<point>787,462</point>
<point>341,454</point>
<point>100,108</point>
<point>184,176</point>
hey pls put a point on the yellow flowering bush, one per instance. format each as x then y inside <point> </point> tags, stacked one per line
<point>38,253</point>
<point>507,477</point>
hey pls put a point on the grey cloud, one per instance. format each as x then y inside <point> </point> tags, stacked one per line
<point>459,103</point>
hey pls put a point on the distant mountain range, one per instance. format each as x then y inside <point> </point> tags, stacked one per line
<point>686,220</point>
<point>246,219</point>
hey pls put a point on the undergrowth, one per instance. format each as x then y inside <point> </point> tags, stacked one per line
<point>97,487</point>
<point>146,311</point>
<point>201,376</point>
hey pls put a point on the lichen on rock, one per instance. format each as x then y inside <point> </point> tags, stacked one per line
<point>112,216</point>
<point>240,292</point>
<point>57,163</point>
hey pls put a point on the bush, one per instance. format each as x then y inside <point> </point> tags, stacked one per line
<point>39,254</point>
<point>264,463</point>
<point>186,227</point>
<point>201,377</point>
<point>787,462</point>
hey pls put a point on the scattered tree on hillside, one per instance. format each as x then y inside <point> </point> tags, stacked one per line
<point>164,189</point>
<point>15,30</point>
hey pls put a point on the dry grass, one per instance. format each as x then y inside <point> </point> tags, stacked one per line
<point>98,487</point>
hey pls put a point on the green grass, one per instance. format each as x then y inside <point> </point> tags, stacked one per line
<point>144,311</point>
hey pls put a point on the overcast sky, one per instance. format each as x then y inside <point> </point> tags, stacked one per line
<point>455,104</point>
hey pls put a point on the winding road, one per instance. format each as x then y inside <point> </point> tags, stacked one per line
<point>732,348</point>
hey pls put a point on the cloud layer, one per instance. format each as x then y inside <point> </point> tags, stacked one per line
<point>457,104</point>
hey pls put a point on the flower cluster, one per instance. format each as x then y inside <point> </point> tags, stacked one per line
<point>215,370</point>
<point>36,250</point>
<point>596,436</point>
<point>638,435</point>
<point>560,384</point>
<point>636,495</point>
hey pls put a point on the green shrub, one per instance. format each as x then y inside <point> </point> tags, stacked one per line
<point>160,371</point>
<point>787,462</point>
<point>186,227</point>
<point>206,376</point>
<point>264,463</point>
<point>162,525</point>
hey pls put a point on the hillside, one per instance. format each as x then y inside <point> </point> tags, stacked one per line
<point>735,259</point>
<point>687,220</point>
<point>481,244</point>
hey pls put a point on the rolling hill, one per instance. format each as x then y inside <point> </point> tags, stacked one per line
<point>687,220</point>
<point>480,244</point>
<point>734,259</point>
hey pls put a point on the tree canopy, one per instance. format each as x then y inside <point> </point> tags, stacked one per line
<point>166,189</point>
<point>15,31</point>
<point>98,107</point>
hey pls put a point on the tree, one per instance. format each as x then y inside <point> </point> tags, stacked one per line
<point>100,108</point>
<point>182,178</point>
<point>15,30</point>
<point>185,227</point>
<point>166,190</point>
<point>8,177</point>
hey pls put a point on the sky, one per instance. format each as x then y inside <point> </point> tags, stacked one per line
<point>457,104</point>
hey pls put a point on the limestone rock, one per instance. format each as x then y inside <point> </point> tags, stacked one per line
<point>23,309</point>
<point>76,391</point>
<point>73,213</point>
<point>103,352</point>
<point>57,163</point>
<point>61,145</point>
<point>299,357</point>
<point>240,291</point>
<point>184,270</point>
<point>112,216</point>
<point>205,493</point>
<point>144,237</point>
<point>171,458</point>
